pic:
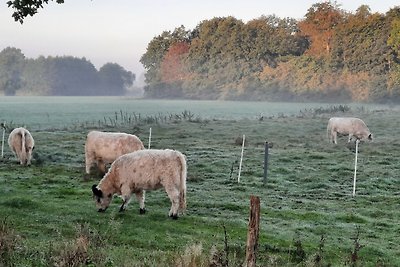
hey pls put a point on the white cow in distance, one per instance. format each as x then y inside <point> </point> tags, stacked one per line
<point>353,127</point>
<point>142,170</point>
<point>22,144</point>
<point>102,148</point>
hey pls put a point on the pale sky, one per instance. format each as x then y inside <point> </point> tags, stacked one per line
<point>118,31</point>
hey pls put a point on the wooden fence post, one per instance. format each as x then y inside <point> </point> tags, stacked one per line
<point>252,234</point>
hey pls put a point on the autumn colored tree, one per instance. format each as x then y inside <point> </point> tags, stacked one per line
<point>319,25</point>
<point>330,55</point>
<point>394,37</point>
<point>156,50</point>
<point>173,68</point>
<point>361,37</point>
<point>393,42</point>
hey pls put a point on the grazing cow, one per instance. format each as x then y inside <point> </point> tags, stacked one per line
<point>103,148</point>
<point>21,143</point>
<point>144,170</point>
<point>347,126</point>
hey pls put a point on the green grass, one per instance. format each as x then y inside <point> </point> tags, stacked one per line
<point>49,217</point>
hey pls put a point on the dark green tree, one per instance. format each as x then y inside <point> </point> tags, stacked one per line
<point>70,76</point>
<point>12,62</point>
<point>36,75</point>
<point>114,79</point>
<point>24,8</point>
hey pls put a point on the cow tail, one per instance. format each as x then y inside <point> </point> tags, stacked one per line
<point>23,145</point>
<point>182,194</point>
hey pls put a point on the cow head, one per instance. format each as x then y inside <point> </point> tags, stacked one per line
<point>102,201</point>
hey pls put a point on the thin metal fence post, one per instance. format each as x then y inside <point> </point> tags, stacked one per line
<point>266,162</point>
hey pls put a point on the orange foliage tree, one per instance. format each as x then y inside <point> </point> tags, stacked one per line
<point>173,67</point>
<point>318,25</point>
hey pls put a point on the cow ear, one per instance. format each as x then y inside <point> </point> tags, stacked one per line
<point>97,192</point>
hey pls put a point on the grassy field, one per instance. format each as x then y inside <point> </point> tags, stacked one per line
<point>308,214</point>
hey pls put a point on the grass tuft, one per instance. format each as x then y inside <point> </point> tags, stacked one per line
<point>8,243</point>
<point>87,248</point>
<point>21,203</point>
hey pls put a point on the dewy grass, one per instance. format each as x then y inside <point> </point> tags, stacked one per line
<point>8,243</point>
<point>52,216</point>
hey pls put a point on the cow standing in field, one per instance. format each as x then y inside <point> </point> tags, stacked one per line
<point>353,127</point>
<point>142,170</point>
<point>102,148</point>
<point>21,143</point>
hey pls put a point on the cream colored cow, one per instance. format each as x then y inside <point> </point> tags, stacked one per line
<point>142,170</point>
<point>103,148</point>
<point>353,127</point>
<point>22,144</point>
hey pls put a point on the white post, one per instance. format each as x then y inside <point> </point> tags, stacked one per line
<point>2,140</point>
<point>149,138</point>
<point>355,169</point>
<point>241,159</point>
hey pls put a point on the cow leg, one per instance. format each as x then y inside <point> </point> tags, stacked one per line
<point>334,134</point>
<point>126,200</point>
<point>102,166</point>
<point>28,158</point>
<point>126,197</point>
<point>173,194</point>
<point>88,161</point>
<point>350,137</point>
<point>19,157</point>
<point>23,159</point>
<point>140,196</point>
<point>87,168</point>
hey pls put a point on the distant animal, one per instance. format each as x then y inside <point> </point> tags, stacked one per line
<point>353,127</point>
<point>102,148</point>
<point>142,170</point>
<point>22,144</point>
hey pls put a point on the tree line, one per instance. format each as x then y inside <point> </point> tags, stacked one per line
<point>59,76</point>
<point>329,55</point>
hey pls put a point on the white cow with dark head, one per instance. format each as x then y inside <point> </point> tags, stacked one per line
<point>353,127</point>
<point>142,170</point>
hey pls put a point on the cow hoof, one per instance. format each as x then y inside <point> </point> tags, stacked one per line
<point>142,211</point>
<point>101,210</point>
<point>174,216</point>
